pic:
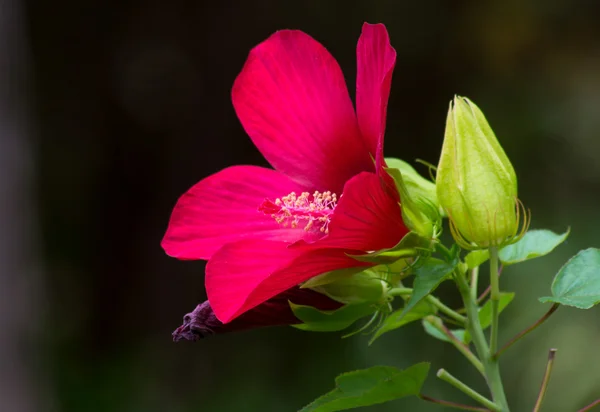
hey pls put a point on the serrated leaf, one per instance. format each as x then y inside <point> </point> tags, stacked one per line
<point>396,319</point>
<point>332,320</point>
<point>577,283</point>
<point>535,243</point>
<point>433,331</point>
<point>371,386</point>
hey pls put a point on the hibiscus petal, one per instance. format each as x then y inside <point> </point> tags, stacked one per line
<point>366,218</point>
<point>223,208</point>
<point>245,274</point>
<point>376,59</point>
<point>292,100</point>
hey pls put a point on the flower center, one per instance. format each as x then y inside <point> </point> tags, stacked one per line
<point>313,212</point>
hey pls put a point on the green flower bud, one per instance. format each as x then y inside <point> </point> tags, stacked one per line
<point>476,183</point>
<point>366,286</point>
<point>420,207</point>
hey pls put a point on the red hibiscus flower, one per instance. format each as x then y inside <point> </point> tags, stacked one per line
<point>265,231</point>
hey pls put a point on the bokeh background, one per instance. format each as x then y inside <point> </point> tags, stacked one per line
<point>110,110</point>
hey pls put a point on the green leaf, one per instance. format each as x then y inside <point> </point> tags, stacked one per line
<point>485,313</point>
<point>371,386</point>
<point>330,277</point>
<point>397,319</point>
<point>428,276</point>
<point>408,246</point>
<point>433,331</point>
<point>476,258</point>
<point>534,244</point>
<point>332,320</point>
<point>577,283</point>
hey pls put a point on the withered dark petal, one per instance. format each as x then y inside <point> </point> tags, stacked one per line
<point>202,322</point>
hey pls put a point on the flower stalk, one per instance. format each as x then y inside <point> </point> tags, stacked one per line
<point>495,298</point>
<point>490,364</point>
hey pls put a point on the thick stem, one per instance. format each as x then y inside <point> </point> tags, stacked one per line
<point>486,292</point>
<point>453,404</point>
<point>494,298</point>
<point>490,365</point>
<point>529,329</point>
<point>447,377</point>
<point>544,387</point>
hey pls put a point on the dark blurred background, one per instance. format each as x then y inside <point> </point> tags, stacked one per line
<point>110,110</point>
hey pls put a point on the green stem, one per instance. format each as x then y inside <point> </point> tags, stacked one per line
<point>540,398</point>
<point>460,346</point>
<point>434,301</point>
<point>453,404</point>
<point>486,292</point>
<point>495,298</point>
<point>474,281</point>
<point>529,329</point>
<point>490,365</point>
<point>400,291</point>
<point>445,376</point>
<point>446,310</point>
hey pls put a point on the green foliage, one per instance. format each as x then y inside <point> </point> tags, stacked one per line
<point>485,319</point>
<point>408,246</point>
<point>535,243</point>
<point>421,215</point>
<point>398,319</point>
<point>371,386</point>
<point>477,257</point>
<point>417,186</point>
<point>578,282</point>
<point>485,313</point>
<point>366,286</point>
<point>333,320</point>
<point>428,276</point>
<point>431,330</point>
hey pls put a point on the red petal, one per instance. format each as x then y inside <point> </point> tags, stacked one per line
<point>245,274</point>
<point>366,218</point>
<point>223,208</point>
<point>292,100</point>
<point>376,59</point>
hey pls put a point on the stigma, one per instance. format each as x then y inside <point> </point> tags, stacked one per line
<point>310,212</point>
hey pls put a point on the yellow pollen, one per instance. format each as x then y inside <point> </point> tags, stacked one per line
<point>312,212</point>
